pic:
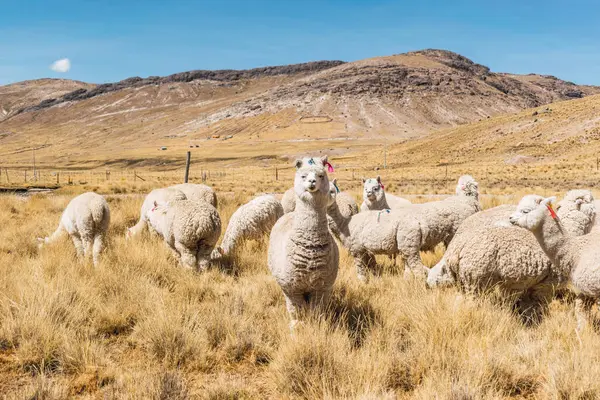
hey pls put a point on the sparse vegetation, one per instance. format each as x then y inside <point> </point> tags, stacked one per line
<point>138,326</point>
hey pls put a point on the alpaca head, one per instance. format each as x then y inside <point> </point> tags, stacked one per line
<point>333,191</point>
<point>580,200</point>
<point>577,210</point>
<point>311,181</point>
<point>42,241</point>
<point>532,211</point>
<point>158,209</point>
<point>440,276</point>
<point>467,186</point>
<point>373,189</point>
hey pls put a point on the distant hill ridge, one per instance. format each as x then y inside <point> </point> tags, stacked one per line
<point>224,75</point>
<point>356,105</point>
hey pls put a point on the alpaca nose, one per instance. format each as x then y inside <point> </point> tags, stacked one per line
<point>512,219</point>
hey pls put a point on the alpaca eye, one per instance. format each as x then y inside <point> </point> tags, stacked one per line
<point>321,176</point>
<point>525,211</point>
<point>303,176</point>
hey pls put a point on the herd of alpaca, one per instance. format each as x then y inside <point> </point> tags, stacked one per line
<point>530,250</point>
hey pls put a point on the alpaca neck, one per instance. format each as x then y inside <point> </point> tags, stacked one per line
<point>378,204</point>
<point>310,220</point>
<point>472,200</point>
<point>56,234</point>
<point>554,240</point>
<point>339,225</point>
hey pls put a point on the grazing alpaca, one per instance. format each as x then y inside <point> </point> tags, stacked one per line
<point>162,195</point>
<point>191,230</point>
<point>251,221</point>
<point>86,220</point>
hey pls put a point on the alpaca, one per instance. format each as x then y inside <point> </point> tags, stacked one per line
<point>376,198</point>
<point>575,259</point>
<point>191,229</point>
<point>86,220</point>
<point>303,256</point>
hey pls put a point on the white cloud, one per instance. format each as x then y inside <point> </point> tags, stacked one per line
<point>62,65</point>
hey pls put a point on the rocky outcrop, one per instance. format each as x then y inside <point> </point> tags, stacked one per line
<point>218,75</point>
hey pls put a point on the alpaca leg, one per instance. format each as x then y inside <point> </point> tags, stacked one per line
<point>294,304</point>
<point>582,311</point>
<point>188,257</point>
<point>98,247</point>
<point>78,245</point>
<point>361,262</point>
<point>88,245</point>
<point>393,259</point>
<point>414,266</point>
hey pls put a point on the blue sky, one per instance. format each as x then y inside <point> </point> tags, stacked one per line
<point>110,40</point>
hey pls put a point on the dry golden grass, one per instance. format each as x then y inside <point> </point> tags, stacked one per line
<point>138,327</point>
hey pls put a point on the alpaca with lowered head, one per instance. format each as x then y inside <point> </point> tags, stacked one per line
<point>86,220</point>
<point>303,256</point>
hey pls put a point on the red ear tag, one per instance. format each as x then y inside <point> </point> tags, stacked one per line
<point>552,213</point>
<point>381,184</point>
<point>329,167</point>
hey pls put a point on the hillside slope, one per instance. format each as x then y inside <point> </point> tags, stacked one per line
<point>566,131</point>
<point>229,116</point>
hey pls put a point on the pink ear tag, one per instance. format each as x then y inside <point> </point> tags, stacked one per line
<point>329,167</point>
<point>552,213</point>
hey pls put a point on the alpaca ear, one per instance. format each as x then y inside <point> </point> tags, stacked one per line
<point>324,160</point>
<point>334,181</point>
<point>155,203</point>
<point>549,200</point>
<point>578,202</point>
<point>378,179</point>
<point>298,163</point>
<point>363,180</point>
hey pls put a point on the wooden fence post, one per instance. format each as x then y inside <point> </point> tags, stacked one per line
<point>187,167</point>
<point>276,174</point>
<point>25,175</point>
<point>58,178</point>
<point>6,171</point>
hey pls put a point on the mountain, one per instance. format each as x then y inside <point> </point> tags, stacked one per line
<point>267,112</point>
